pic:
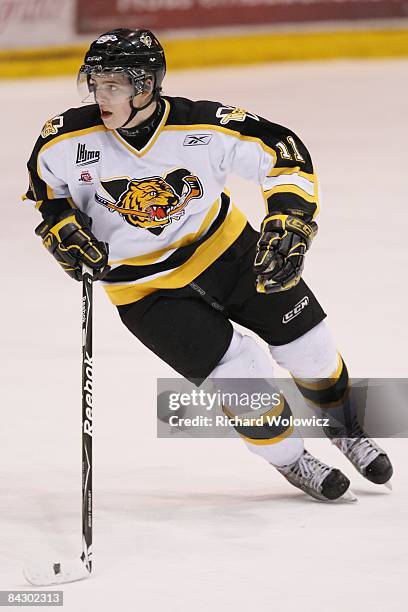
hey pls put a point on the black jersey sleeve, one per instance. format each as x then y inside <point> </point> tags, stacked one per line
<point>290,185</point>
<point>277,159</point>
<point>49,193</point>
<point>42,194</point>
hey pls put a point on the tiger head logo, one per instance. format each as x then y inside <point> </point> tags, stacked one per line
<point>152,202</point>
<point>149,202</point>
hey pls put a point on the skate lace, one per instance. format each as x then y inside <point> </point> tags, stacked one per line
<point>311,470</point>
<point>360,449</point>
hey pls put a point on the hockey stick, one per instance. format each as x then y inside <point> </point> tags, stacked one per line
<point>70,570</point>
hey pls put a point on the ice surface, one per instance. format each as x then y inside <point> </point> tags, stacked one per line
<point>202,524</point>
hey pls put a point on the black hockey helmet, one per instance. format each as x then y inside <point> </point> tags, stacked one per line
<point>135,53</point>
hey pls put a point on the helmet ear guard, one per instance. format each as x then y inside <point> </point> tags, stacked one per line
<point>149,87</point>
<point>146,89</point>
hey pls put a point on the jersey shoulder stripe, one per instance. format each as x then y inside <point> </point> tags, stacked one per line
<point>71,120</point>
<point>233,119</point>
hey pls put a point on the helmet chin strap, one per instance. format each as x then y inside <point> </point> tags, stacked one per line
<point>134,111</point>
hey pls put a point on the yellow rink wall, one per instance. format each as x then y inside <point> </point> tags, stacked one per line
<point>224,50</point>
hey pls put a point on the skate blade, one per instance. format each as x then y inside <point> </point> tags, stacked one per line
<point>388,485</point>
<point>348,496</point>
<point>47,574</point>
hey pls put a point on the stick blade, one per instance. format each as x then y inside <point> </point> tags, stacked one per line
<point>47,574</point>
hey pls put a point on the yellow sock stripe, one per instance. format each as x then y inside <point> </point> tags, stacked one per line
<point>323,383</point>
<point>329,405</point>
<point>227,411</point>
<point>275,411</point>
<point>263,433</point>
<point>270,441</point>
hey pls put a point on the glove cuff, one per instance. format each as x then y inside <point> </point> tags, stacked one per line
<point>281,223</point>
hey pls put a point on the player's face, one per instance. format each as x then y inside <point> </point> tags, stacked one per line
<point>113,94</point>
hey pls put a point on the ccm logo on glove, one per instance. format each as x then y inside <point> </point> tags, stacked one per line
<point>280,252</point>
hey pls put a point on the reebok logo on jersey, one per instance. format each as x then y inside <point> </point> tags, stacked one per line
<point>193,140</point>
<point>289,316</point>
<point>85,156</point>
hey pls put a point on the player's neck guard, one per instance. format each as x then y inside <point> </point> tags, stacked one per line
<point>146,126</point>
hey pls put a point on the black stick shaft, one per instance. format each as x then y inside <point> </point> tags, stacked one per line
<point>87,387</point>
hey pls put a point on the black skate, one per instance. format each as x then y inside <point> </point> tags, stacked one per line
<point>317,479</point>
<point>366,456</point>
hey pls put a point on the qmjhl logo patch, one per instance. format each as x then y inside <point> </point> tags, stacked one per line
<point>296,310</point>
<point>85,156</point>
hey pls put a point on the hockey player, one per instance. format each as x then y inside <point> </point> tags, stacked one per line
<point>145,174</point>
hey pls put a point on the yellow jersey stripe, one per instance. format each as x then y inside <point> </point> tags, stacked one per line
<point>291,189</point>
<point>203,257</point>
<point>293,180</point>
<point>151,258</point>
<point>296,170</point>
<point>74,134</point>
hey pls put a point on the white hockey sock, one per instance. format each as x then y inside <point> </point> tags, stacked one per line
<point>319,372</point>
<point>245,360</point>
<point>313,355</point>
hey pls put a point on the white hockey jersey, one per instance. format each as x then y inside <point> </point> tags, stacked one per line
<point>164,209</point>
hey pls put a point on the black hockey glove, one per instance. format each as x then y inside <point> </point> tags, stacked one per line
<point>69,239</point>
<point>280,252</point>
